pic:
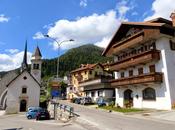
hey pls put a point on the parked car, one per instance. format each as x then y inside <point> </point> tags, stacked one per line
<point>101,101</point>
<point>32,112</point>
<point>86,100</point>
<point>78,100</point>
<point>43,115</point>
<point>33,108</point>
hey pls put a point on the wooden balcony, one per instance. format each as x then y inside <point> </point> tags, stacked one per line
<point>141,37</point>
<point>142,58</point>
<point>95,83</point>
<point>140,79</point>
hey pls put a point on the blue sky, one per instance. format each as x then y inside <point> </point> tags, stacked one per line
<point>85,21</point>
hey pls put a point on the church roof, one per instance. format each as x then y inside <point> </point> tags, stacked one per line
<point>21,74</point>
<point>37,52</point>
<point>24,64</point>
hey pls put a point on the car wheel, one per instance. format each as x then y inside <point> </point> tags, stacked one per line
<point>29,117</point>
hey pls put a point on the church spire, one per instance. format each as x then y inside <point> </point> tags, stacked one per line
<point>24,65</point>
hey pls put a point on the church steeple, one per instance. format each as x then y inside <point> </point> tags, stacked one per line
<point>24,64</point>
<point>36,64</point>
<point>37,53</point>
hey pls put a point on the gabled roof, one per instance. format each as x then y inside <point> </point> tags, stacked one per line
<point>21,74</point>
<point>125,26</point>
<point>37,52</point>
<point>160,20</point>
<point>86,67</point>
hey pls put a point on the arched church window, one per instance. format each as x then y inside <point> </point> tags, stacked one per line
<point>149,94</point>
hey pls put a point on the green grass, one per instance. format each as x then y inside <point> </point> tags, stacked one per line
<point>43,98</point>
<point>123,110</point>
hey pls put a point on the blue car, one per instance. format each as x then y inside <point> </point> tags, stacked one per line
<point>32,112</point>
<point>101,101</point>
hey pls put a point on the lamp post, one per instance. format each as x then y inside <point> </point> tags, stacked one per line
<point>59,44</point>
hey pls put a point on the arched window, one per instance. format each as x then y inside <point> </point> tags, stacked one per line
<point>149,94</point>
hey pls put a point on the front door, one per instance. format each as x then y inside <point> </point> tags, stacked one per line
<point>23,105</point>
<point>128,98</point>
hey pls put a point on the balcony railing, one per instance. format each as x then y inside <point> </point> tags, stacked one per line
<point>140,79</point>
<point>138,38</point>
<point>142,58</point>
<point>96,80</point>
<point>96,83</point>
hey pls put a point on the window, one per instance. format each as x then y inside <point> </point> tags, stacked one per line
<point>100,73</point>
<point>130,73</point>
<point>90,72</point>
<point>96,73</point>
<point>35,66</point>
<point>152,69</point>
<point>24,90</point>
<point>92,94</point>
<point>152,46</point>
<point>24,77</point>
<point>146,48</point>
<point>140,71</point>
<point>172,45</point>
<point>70,88</point>
<point>149,94</point>
<point>122,74</point>
<point>100,93</point>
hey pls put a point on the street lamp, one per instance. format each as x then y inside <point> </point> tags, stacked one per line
<point>59,44</point>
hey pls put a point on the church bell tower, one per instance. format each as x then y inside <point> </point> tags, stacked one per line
<point>36,63</point>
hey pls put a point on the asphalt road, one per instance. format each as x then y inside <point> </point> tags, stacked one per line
<point>102,120</point>
<point>19,122</point>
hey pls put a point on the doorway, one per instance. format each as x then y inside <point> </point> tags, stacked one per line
<point>128,98</point>
<point>23,105</point>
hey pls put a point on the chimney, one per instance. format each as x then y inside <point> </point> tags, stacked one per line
<point>172,16</point>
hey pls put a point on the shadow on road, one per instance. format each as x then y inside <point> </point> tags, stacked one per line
<point>14,129</point>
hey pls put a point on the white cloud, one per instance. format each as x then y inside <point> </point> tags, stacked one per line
<point>123,7</point>
<point>89,29</point>
<point>3,18</point>
<point>83,3</point>
<point>38,35</point>
<point>103,42</point>
<point>12,61</point>
<point>12,51</point>
<point>162,8</point>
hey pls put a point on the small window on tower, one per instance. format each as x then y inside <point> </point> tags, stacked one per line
<point>35,66</point>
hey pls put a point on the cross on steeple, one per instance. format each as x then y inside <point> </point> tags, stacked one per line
<point>24,64</point>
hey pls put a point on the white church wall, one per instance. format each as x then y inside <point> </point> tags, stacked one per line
<point>14,93</point>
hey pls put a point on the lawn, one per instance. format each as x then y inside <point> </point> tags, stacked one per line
<point>123,110</point>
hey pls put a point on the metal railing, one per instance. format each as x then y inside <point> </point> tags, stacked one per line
<point>64,108</point>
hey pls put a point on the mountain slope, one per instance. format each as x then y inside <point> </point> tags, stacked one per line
<point>73,58</point>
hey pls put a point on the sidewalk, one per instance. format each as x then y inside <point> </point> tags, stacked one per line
<point>164,115</point>
<point>2,112</point>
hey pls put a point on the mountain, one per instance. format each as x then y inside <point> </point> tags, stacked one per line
<point>73,58</point>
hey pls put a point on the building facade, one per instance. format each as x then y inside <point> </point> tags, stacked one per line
<point>92,80</point>
<point>144,64</point>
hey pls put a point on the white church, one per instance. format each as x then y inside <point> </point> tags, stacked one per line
<point>24,90</point>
